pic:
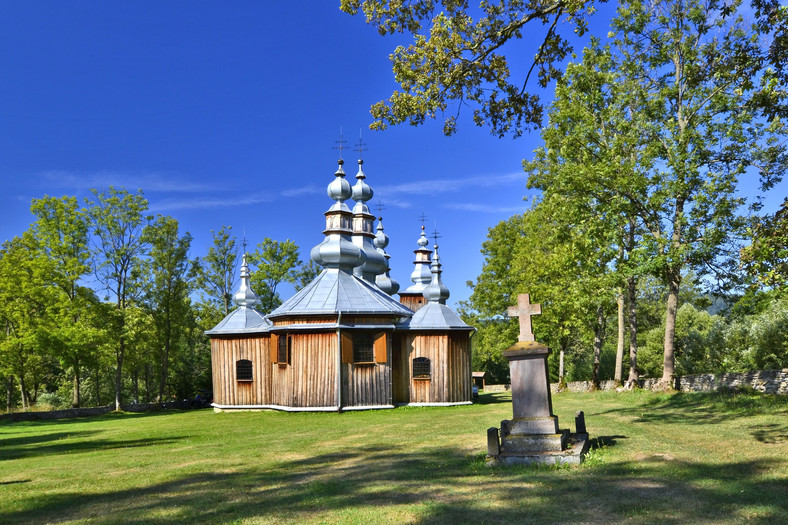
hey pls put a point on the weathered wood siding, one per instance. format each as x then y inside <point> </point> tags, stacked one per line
<point>310,378</point>
<point>225,352</point>
<point>369,384</point>
<point>450,367</point>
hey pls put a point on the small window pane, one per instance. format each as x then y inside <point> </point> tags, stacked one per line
<point>243,370</point>
<point>283,354</point>
<point>363,349</point>
<point>421,368</point>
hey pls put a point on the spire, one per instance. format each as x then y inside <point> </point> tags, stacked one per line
<point>336,250</point>
<point>384,280</point>
<point>436,291</point>
<point>421,275</point>
<point>363,237</point>
<point>245,296</point>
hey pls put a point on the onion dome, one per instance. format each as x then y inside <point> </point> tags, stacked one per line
<point>436,291</point>
<point>245,296</point>
<point>362,230</point>
<point>337,250</point>
<point>246,318</point>
<point>384,281</point>
<point>421,275</point>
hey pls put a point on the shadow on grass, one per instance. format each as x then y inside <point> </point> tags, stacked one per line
<point>439,485</point>
<point>492,398</point>
<point>772,434</point>
<point>68,443</point>
<point>704,407</point>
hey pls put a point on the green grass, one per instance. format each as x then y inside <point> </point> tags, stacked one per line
<point>658,458</point>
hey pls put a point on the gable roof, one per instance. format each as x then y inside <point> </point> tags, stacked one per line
<point>337,290</point>
<point>436,316</point>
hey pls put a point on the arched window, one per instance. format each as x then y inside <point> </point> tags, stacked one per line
<point>243,370</point>
<point>421,368</point>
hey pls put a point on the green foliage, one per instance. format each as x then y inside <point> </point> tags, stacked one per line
<point>457,56</point>
<point>217,270</point>
<point>273,262</point>
<point>766,258</point>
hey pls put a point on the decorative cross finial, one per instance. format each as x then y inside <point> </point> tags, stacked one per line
<point>422,218</point>
<point>244,241</point>
<point>340,144</point>
<point>436,235</point>
<point>524,310</point>
<point>379,206</point>
<point>361,146</point>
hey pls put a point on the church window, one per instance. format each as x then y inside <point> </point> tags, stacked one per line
<point>283,353</point>
<point>243,370</point>
<point>363,351</point>
<point>421,368</point>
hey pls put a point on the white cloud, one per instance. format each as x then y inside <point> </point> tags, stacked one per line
<point>149,182</point>
<point>208,202</point>
<point>485,208</point>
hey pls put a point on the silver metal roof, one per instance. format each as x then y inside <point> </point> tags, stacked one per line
<point>241,320</point>
<point>421,275</point>
<point>435,316</point>
<point>336,290</point>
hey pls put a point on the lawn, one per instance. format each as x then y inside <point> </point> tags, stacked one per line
<point>657,458</point>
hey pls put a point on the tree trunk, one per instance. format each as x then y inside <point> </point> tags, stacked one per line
<point>633,332</point>
<point>23,391</point>
<point>9,394</point>
<point>98,385</point>
<point>561,381</point>
<point>118,371</point>
<point>75,396</point>
<point>668,367</point>
<point>599,336</point>
<point>620,342</point>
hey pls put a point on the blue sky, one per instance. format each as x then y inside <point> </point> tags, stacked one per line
<point>227,113</point>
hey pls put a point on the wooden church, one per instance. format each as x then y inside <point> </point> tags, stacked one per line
<point>343,342</point>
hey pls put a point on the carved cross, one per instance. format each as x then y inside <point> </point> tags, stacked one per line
<point>524,310</point>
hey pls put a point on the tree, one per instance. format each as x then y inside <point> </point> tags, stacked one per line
<point>26,325</point>
<point>217,269</point>
<point>596,149</point>
<point>61,229</point>
<point>167,294</point>
<point>118,223</point>
<point>456,58</point>
<point>766,258</point>
<point>699,67</point>
<point>273,263</point>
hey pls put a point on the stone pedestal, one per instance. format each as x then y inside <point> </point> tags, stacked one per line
<point>532,436</point>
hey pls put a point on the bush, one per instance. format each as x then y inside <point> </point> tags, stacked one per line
<point>51,401</point>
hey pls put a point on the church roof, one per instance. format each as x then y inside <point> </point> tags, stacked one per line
<point>336,290</point>
<point>245,318</point>
<point>241,320</point>
<point>435,316</point>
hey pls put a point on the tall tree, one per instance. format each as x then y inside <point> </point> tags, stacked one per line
<point>118,220</point>
<point>61,229</point>
<point>595,154</point>
<point>457,56</point>
<point>273,263</point>
<point>217,269</point>
<point>24,314</point>
<point>167,294</point>
<point>699,65</point>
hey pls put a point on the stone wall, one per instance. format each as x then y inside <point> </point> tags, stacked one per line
<point>767,381</point>
<point>92,411</point>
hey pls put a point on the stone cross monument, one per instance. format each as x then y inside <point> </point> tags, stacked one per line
<point>524,310</point>
<point>532,435</point>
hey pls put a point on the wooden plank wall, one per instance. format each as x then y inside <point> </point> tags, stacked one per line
<point>310,379</point>
<point>366,385</point>
<point>449,357</point>
<point>225,352</point>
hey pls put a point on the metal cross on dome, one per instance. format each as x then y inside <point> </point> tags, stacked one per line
<point>524,310</point>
